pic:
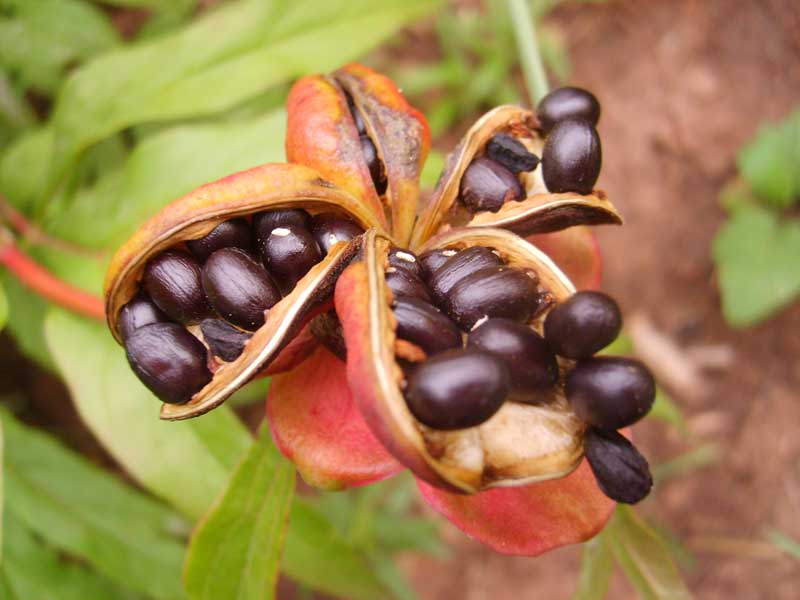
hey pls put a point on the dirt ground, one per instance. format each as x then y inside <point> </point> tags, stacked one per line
<point>683,85</point>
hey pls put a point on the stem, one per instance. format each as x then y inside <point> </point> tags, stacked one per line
<point>528,47</point>
<point>39,280</point>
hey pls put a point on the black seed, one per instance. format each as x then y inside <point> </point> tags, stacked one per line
<point>572,157</point>
<point>488,185</point>
<point>420,323</point>
<point>228,234</point>
<point>140,311</point>
<point>567,103</point>
<point>403,283</point>
<point>457,389</point>
<point>431,260</point>
<point>511,153</point>
<point>172,280</point>
<point>493,292</point>
<point>288,253</point>
<point>328,229</point>
<point>224,340</point>
<point>621,471</point>
<point>582,325</point>
<point>406,260</point>
<point>358,119</point>
<point>531,363</point>
<point>457,267</point>
<point>265,222</point>
<point>610,392</point>
<point>169,360</point>
<point>239,288</point>
<point>374,164</point>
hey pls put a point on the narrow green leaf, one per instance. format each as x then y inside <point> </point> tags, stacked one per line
<point>771,162</point>
<point>3,307</point>
<point>784,542</point>
<point>236,549</point>
<point>2,486</point>
<point>432,170</point>
<point>33,571</point>
<point>597,566</point>
<point>756,257</point>
<point>89,513</point>
<point>24,167</point>
<point>644,558</point>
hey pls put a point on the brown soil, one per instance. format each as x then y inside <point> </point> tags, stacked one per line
<point>683,85</point>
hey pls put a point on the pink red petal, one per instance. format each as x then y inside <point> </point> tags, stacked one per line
<point>576,252</point>
<point>316,425</point>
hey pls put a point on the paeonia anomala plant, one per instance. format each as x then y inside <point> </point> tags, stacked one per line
<point>444,336</point>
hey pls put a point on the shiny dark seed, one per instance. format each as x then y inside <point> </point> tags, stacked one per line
<point>572,157</point>
<point>406,260</point>
<point>621,471</point>
<point>531,364</point>
<point>172,280</point>
<point>457,389</point>
<point>225,341</point>
<point>169,360</point>
<point>420,323</point>
<point>239,288</point>
<point>457,267</point>
<point>511,153</point>
<point>493,292</point>
<point>140,311</point>
<point>488,185</point>
<point>265,222</point>
<point>567,103</point>
<point>329,229</point>
<point>288,253</point>
<point>582,325</point>
<point>374,164</point>
<point>431,260</point>
<point>403,283</point>
<point>610,392</point>
<point>358,119</point>
<point>228,234</point>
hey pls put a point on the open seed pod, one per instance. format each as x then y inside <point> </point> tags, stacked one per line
<point>521,443</point>
<point>278,339</point>
<point>528,207</point>
<point>356,129</point>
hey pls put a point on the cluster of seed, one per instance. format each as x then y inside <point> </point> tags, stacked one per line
<point>469,313</point>
<point>216,291</point>
<point>571,157</point>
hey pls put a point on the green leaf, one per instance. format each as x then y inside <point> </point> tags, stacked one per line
<point>597,566</point>
<point>24,167</point>
<point>771,162</point>
<point>643,557</point>
<point>186,463</point>
<point>26,313</point>
<point>33,571</point>
<point>236,549</point>
<point>784,542</point>
<point>3,307</point>
<point>432,170</point>
<point>39,38</point>
<point>222,58</point>
<point>2,486</point>
<point>756,257</point>
<point>89,513</point>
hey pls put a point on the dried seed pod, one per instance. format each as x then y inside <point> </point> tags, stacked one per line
<point>169,360</point>
<point>460,265</point>
<point>572,157</point>
<point>234,233</point>
<point>621,471</point>
<point>531,363</point>
<point>431,260</point>
<point>610,392</point>
<point>583,325</point>
<point>488,185</point>
<point>329,229</point>
<point>223,339</point>
<point>511,153</point>
<point>422,324</point>
<point>493,292</point>
<point>403,259</point>
<point>567,103</point>
<point>403,283</point>
<point>172,280</point>
<point>140,311</point>
<point>288,253</point>
<point>239,288</point>
<point>457,389</point>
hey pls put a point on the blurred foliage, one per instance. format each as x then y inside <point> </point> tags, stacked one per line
<point>756,249</point>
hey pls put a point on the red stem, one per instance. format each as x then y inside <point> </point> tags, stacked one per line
<point>38,279</point>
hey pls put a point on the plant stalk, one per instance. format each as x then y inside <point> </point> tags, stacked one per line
<point>528,48</point>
